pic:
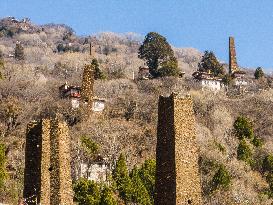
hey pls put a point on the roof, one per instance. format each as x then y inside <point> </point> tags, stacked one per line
<point>99,99</point>
<point>77,94</point>
<point>204,75</point>
<point>239,72</point>
<point>69,87</point>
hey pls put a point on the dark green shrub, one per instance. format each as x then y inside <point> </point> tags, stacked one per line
<point>158,53</point>
<point>221,179</point>
<point>122,179</point>
<point>209,63</point>
<point>257,142</point>
<point>19,52</point>
<point>108,197</point>
<point>140,194</point>
<point>244,152</point>
<point>90,147</point>
<point>147,174</point>
<point>269,179</point>
<point>86,192</point>
<point>220,147</point>
<point>169,68</point>
<point>207,165</point>
<point>268,163</point>
<point>259,73</point>
<point>227,79</point>
<point>243,128</point>
<point>98,73</point>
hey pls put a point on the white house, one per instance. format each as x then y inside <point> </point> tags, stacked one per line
<point>74,94</point>
<point>239,78</point>
<point>98,105</point>
<point>208,81</point>
<point>97,171</point>
<point>71,92</point>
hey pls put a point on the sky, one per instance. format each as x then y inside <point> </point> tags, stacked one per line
<point>201,24</point>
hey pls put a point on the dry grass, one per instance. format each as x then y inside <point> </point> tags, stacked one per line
<point>34,85</point>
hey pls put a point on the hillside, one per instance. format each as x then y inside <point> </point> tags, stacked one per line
<point>54,54</point>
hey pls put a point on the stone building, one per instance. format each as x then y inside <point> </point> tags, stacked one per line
<point>234,71</point>
<point>177,172</point>
<point>207,81</point>
<point>47,176</point>
<point>98,104</point>
<point>233,66</point>
<point>73,93</point>
<point>87,89</point>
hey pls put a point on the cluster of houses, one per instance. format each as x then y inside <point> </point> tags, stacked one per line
<point>97,171</point>
<point>74,94</point>
<point>207,80</point>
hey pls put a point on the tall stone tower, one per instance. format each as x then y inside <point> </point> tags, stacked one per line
<point>87,89</point>
<point>90,49</point>
<point>232,56</point>
<point>47,177</point>
<point>177,173</point>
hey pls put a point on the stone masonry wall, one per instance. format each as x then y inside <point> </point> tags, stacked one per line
<point>165,153</point>
<point>232,56</point>
<point>47,164</point>
<point>32,175</point>
<point>87,89</point>
<point>177,172</point>
<point>61,190</point>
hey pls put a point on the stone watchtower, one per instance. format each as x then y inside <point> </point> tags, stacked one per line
<point>47,177</point>
<point>232,56</point>
<point>87,89</point>
<point>177,173</point>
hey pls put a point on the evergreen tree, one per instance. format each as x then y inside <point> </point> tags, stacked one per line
<point>89,150</point>
<point>209,63</point>
<point>90,147</point>
<point>147,175</point>
<point>87,192</point>
<point>227,79</point>
<point>169,68</point>
<point>243,128</point>
<point>98,73</point>
<point>140,194</point>
<point>158,55</point>
<point>259,73</point>
<point>122,179</point>
<point>107,197</point>
<point>19,52</point>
